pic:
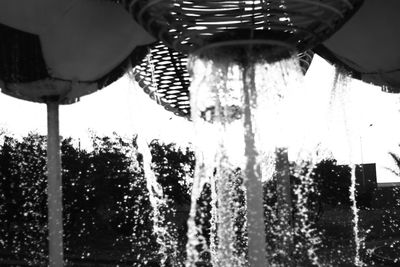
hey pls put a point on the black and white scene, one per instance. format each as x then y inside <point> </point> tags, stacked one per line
<point>199,133</point>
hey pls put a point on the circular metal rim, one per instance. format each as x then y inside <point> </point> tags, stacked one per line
<point>156,26</point>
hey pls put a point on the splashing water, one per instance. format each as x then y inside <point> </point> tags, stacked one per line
<point>163,230</point>
<point>303,227</point>
<point>241,115</point>
<point>357,239</point>
<point>215,149</point>
<point>340,88</point>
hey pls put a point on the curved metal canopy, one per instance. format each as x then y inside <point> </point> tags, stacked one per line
<point>368,45</point>
<point>279,26</point>
<point>55,51</point>
<point>64,49</point>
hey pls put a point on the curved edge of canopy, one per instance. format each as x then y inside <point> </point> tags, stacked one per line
<point>42,91</point>
<point>68,92</point>
<point>386,80</point>
<point>26,74</point>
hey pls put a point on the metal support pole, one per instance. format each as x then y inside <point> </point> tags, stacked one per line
<point>54,187</point>
<point>254,187</point>
<point>284,203</point>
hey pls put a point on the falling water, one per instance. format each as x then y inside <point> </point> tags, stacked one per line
<point>340,88</point>
<point>163,230</point>
<point>241,115</point>
<point>303,226</point>
<point>357,239</point>
<point>222,112</point>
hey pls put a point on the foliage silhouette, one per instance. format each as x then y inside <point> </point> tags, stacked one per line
<point>105,200</point>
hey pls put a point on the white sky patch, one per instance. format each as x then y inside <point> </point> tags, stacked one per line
<point>123,108</point>
<point>20,117</point>
<point>372,118</point>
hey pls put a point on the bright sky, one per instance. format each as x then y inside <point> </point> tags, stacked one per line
<point>125,109</point>
<point>372,120</point>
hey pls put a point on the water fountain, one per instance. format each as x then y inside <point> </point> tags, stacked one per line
<point>234,47</point>
<point>235,33</point>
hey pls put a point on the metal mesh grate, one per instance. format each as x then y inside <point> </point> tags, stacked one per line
<point>163,75</point>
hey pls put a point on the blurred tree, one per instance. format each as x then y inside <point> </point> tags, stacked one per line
<point>104,195</point>
<point>10,195</point>
<point>105,198</point>
<point>23,183</point>
<point>174,169</point>
<point>333,182</point>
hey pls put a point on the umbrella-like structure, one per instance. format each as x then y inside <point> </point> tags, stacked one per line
<point>278,26</point>
<point>64,48</point>
<point>367,46</point>
<point>55,51</point>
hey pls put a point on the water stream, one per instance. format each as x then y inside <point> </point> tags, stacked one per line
<point>340,91</point>
<point>164,230</point>
<point>250,205</point>
<point>241,113</point>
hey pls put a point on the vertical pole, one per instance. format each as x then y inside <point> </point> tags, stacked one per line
<point>54,187</point>
<point>254,187</point>
<point>284,203</point>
